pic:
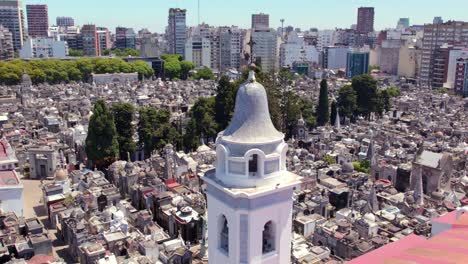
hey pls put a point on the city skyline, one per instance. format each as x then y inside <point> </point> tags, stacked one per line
<point>325,14</point>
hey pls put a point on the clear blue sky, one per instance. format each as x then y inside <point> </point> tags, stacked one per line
<point>323,14</point>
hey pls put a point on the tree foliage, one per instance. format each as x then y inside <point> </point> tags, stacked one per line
<point>329,159</point>
<point>224,102</point>
<point>367,93</point>
<point>75,53</point>
<point>155,130</point>
<point>59,71</point>
<point>347,101</point>
<point>185,68</point>
<point>123,117</point>
<point>175,67</point>
<point>121,53</point>
<point>102,146</point>
<point>362,166</point>
<point>204,73</point>
<point>323,111</point>
<point>333,113</point>
<point>202,123</point>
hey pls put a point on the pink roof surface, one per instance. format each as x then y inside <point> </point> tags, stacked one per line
<point>8,178</point>
<point>449,218</point>
<point>3,147</point>
<point>449,247</point>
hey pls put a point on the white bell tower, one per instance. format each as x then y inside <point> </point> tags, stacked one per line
<point>250,192</point>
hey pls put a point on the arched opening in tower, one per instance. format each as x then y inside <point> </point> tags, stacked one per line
<point>268,238</point>
<point>253,164</point>
<point>224,235</point>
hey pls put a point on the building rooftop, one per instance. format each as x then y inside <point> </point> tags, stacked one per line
<point>450,246</point>
<point>8,178</point>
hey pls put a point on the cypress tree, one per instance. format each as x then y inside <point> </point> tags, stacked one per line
<point>333,113</point>
<point>323,111</point>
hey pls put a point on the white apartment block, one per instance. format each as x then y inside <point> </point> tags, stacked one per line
<point>295,50</point>
<point>198,51</point>
<point>43,48</point>
<point>265,49</point>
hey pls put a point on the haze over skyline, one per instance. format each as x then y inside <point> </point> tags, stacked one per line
<point>305,14</point>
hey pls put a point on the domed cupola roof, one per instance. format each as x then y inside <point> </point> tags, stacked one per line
<point>251,122</point>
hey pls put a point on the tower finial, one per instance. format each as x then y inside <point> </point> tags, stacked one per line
<point>252,68</point>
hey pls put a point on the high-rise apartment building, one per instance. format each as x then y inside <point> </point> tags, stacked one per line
<point>334,57</point>
<point>65,21</point>
<point>230,42</point>
<point>461,77</point>
<point>38,20</point>
<point>435,36</point>
<point>12,17</point>
<point>198,51</point>
<point>104,38</point>
<point>365,20</point>
<point>90,40</point>
<point>6,44</point>
<point>125,38</point>
<point>357,62</point>
<point>260,21</point>
<point>176,31</point>
<point>265,49</point>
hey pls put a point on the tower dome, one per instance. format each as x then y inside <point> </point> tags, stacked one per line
<point>251,152</point>
<point>251,122</point>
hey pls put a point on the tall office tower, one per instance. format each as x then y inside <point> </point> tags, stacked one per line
<point>230,50</point>
<point>176,31</point>
<point>65,21</point>
<point>90,40</point>
<point>38,20</point>
<point>260,21</point>
<point>12,17</point>
<point>6,44</point>
<point>104,38</point>
<point>403,23</point>
<point>198,51</point>
<point>265,49</point>
<point>357,62</point>
<point>125,38</point>
<point>434,38</point>
<point>365,20</point>
<point>249,194</point>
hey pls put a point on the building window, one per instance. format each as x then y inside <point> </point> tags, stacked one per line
<point>253,163</point>
<point>268,238</point>
<point>224,235</point>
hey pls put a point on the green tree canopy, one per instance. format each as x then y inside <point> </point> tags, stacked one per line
<point>368,100</point>
<point>75,53</point>
<point>102,146</point>
<point>224,102</point>
<point>155,130</point>
<point>185,68</point>
<point>202,123</point>
<point>123,117</point>
<point>204,73</point>
<point>347,104</point>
